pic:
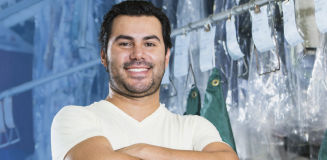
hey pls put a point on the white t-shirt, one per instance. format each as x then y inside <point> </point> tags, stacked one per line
<point>73,124</point>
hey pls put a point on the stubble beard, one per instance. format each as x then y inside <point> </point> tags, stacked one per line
<point>118,83</point>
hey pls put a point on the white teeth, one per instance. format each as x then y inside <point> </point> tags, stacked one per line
<point>137,69</point>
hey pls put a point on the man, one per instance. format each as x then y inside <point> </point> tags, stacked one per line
<point>131,124</point>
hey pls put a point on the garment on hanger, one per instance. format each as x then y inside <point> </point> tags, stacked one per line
<point>323,148</point>
<point>214,108</point>
<point>2,119</point>
<point>193,105</point>
<point>3,133</point>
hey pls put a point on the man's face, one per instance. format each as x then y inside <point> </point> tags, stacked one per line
<point>136,55</point>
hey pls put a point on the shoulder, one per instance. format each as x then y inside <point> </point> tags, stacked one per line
<point>196,124</point>
<point>79,111</point>
<point>190,120</point>
<point>74,115</point>
<point>72,111</point>
<point>70,126</point>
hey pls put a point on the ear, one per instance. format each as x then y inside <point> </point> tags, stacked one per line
<point>167,57</point>
<point>104,59</point>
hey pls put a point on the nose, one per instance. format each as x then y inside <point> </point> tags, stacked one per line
<point>137,52</point>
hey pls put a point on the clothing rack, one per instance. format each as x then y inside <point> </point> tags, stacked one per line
<point>191,26</point>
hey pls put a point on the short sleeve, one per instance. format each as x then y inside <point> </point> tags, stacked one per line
<point>70,126</point>
<point>204,133</point>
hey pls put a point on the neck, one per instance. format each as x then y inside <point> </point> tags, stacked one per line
<point>137,108</point>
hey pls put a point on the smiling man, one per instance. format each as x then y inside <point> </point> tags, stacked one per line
<point>131,123</point>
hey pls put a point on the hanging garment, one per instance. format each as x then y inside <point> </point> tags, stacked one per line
<point>214,108</point>
<point>8,111</point>
<point>3,133</point>
<point>2,119</point>
<point>193,105</point>
<point>13,133</point>
<point>323,148</point>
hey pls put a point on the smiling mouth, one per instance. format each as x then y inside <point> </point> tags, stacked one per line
<point>137,69</point>
<point>138,66</point>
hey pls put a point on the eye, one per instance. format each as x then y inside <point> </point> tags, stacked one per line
<point>149,44</point>
<point>125,44</point>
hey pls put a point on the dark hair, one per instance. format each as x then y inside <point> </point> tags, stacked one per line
<point>134,8</point>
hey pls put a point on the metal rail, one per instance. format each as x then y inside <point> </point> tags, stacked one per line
<point>31,84</point>
<point>219,16</point>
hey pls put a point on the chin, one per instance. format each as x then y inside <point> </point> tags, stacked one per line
<point>141,90</point>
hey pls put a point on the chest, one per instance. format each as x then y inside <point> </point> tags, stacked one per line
<point>162,132</point>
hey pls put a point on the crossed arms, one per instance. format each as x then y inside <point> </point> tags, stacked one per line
<point>98,148</point>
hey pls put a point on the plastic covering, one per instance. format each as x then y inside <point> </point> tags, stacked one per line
<point>276,100</point>
<point>273,107</point>
<point>200,9</point>
<point>65,39</point>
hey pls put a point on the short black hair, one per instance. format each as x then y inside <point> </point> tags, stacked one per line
<point>134,8</point>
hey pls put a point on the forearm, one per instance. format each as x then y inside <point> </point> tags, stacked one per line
<point>151,152</point>
<point>96,148</point>
<point>101,156</point>
<point>121,156</point>
<point>160,153</point>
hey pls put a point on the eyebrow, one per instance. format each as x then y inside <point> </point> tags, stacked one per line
<point>123,37</point>
<point>131,38</point>
<point>152,37</point>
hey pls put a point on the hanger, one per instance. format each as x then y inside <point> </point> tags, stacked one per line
<point>190,69</point>
<point>246,68</point>
<point>174,93</point>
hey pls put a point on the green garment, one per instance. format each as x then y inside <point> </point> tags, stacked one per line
<point>323,148</point>
<point>214,109</point>
<point>193,105</point>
